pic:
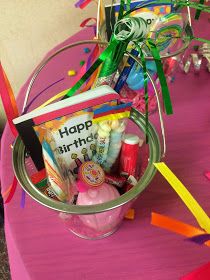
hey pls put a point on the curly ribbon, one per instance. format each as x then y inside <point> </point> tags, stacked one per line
<point>162,78</point>
<point>39,94</point>
<point>85,22</point>
<point>8,100</point>
<point>194,207</point>
<point>176,226</point>
<point>121,11</point>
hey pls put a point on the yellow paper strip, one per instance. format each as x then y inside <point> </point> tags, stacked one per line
<point>200,215</point>
<point>112,117</point>
<point>57,96</point>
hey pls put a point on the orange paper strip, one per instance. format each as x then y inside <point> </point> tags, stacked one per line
<point>176,226</point>
<point>8,100</point>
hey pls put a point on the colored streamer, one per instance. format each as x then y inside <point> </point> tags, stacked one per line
<point>40,93</point>
<point>162,78</point>
<point>176,226</point>
<point>12,190</point>
<point>77,4</point>
<point>200,239</point>
<point>128,5</point>
<point>52,99</point>
<point>86,21</point>
<point>121,11</point>
<point>8,100</point>
<point>194,207</point>
<point>23,199</point>
<point>198,7</point>
<point>4,194</point>
<point>198,12</point>
<point>112,117</point>
<point>82,72</point>
<point>90,71</point>
<point>82,3</point>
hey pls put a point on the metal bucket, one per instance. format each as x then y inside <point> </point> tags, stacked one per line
<point>95,221</point>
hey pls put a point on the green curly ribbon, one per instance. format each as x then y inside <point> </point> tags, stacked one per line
<point>106,53</point>
<point>162,78</point>
<point>198,12</point>
<point>121,11</point>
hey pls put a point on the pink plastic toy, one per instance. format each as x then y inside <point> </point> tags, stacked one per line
<point>91,172</point>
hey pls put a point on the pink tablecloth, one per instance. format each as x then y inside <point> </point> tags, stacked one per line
<point>41,248</point>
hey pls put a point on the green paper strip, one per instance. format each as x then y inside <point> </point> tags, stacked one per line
<point>201,7</point>
<point>90,71</point>
<point>128,5</point>
<point>201,40</point>
<point>112,61</point>
<point>198,12</point>
<point>121,11</point>
<point>162,78</point>
<point>42,183</point>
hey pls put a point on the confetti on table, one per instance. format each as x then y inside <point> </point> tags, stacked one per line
<point>130,215</point>
<point>72,72</point>
<point>82,62</point>
<point>86,50</point>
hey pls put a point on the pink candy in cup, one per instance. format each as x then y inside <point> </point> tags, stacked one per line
<point>94,190</point>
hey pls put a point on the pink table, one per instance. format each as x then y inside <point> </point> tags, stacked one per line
<point>41,248</point>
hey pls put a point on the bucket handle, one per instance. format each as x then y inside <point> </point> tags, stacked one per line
<point>45,62</point>
<point>163,149</point>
